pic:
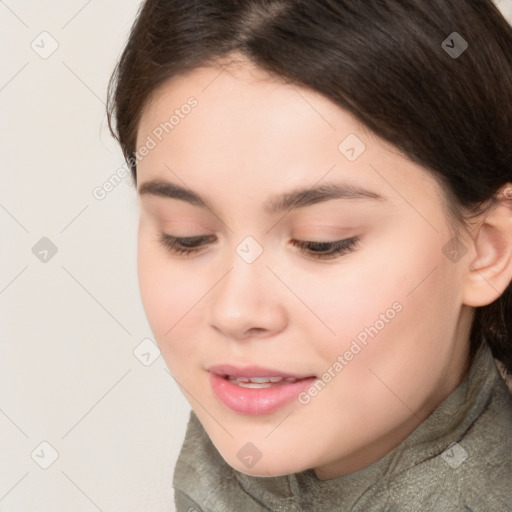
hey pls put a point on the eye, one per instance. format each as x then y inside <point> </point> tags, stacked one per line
<point>183,246</point>
<point>319,250</point>
<point>327,250</point>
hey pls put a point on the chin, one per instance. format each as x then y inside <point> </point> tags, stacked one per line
<point>266,468</point>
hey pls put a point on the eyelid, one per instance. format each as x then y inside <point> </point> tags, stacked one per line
<point>184,240</point>
<point>180,245</point>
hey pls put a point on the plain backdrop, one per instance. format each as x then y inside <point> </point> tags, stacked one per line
<point>90,418</point>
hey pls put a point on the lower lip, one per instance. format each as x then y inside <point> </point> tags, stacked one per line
<point>257,401</point>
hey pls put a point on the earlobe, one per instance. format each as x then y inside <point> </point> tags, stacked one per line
<point>490,271</point>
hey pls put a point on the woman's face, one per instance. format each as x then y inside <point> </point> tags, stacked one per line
<point>379,326</point>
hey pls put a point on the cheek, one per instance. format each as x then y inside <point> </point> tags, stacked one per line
<point>168,294</point>
<point>395,310</point>
<point>171,298</point>
<point>365,295</point>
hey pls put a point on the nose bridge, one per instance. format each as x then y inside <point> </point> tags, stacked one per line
<point>241,285</point>
<point>243,300</point>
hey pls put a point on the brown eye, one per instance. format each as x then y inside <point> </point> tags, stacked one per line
<point>319,250</point>
<point>183,246</point>
<point>327,250</point>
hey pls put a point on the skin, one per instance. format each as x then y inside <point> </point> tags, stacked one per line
<point>251,137</point>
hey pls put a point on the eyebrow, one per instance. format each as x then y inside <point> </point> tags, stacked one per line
<point>297,198</point>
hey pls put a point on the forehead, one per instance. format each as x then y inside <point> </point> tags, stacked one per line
<point>238,93</point>
<point>243,118</point>
<point>264,134</point>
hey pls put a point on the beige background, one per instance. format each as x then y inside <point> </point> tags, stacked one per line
<point>78,369</point>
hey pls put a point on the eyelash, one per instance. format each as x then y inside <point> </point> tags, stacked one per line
<point>189,245</point>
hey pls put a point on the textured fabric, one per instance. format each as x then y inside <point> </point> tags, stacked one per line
<point>421,474</point>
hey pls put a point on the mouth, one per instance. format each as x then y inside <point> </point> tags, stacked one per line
<point>256,390</point>
<point>256,374</point>
<point>260,382</point>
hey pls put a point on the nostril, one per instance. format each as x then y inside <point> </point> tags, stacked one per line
<point>256,330</point>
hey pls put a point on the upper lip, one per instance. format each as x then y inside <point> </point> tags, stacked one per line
<point>252,371</point>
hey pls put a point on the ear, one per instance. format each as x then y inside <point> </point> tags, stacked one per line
<point>490,271</point>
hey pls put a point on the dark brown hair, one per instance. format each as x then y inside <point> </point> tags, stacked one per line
<point>382,60</point>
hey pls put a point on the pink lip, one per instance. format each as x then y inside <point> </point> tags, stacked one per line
<point>257,401</point>
<point>251,371</point>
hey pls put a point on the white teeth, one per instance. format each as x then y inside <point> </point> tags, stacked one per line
<point>254,385</point>
<point>261,380</point>
<point>258,382</point>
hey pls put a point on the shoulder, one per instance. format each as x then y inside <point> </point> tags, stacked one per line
<point>472,472</point>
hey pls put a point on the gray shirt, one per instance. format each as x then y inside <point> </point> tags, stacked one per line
<point>457,459</point>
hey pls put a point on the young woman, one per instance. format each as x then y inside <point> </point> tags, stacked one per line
<point>325,247</point>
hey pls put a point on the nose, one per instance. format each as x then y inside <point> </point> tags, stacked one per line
<point>247,302</point>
